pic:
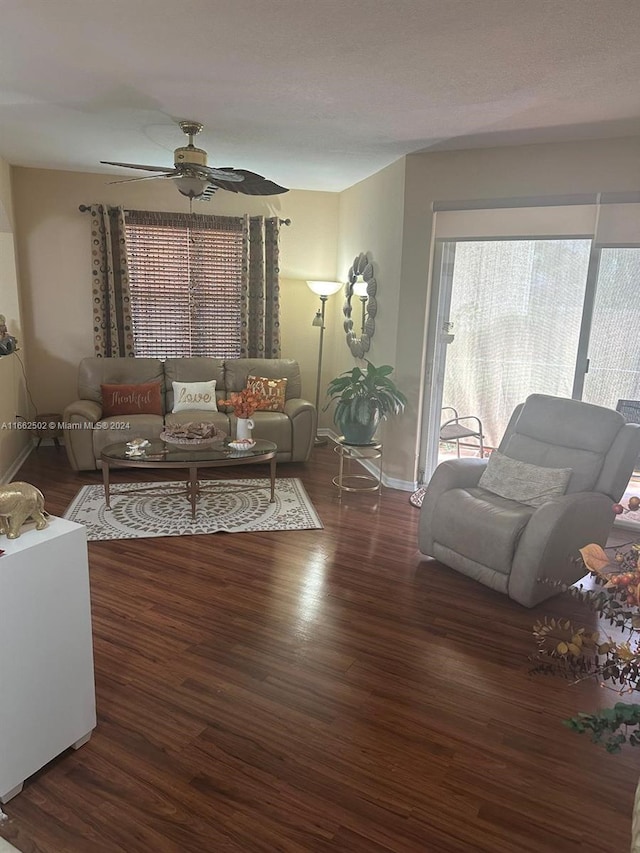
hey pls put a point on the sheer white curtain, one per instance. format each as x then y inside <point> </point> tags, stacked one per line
<point>516,312</point>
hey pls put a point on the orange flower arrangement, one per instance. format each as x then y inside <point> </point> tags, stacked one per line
<point>244,403</point>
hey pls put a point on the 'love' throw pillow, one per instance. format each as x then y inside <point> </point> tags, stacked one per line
<point>195,395</point>
<point>142,399</point>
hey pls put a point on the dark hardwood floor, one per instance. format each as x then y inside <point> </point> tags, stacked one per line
<point>321,690</point>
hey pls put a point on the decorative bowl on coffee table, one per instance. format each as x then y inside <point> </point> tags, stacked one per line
<point>193,435</point>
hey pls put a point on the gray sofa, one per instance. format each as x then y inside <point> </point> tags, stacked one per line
<point>511,545</point>
<point>87,432</point>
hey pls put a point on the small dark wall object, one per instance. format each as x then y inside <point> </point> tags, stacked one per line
<point>8,344</point>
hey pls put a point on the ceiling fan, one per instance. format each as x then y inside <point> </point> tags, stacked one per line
<point>194,179</point>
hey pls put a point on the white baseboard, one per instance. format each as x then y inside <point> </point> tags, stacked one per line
<point>402,485</point>
<point>17,464</point>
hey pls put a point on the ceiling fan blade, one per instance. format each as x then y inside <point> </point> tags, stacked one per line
<point>252,184</point>
<point>211,174</point>
<point>145,178</point>
<point>137,166</point>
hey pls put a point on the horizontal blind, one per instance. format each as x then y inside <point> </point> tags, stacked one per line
<point>185,277</point>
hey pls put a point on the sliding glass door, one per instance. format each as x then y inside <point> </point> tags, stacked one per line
<point>614,345</point>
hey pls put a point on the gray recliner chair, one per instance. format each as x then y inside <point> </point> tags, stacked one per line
<point>503,533</point>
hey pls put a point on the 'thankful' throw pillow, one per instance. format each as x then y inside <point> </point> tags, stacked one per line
<point>142,399</point>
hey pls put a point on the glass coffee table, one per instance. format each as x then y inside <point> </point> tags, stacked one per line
<point>161,455</point>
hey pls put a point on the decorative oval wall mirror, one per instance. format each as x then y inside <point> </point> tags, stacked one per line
<point>360,306</point>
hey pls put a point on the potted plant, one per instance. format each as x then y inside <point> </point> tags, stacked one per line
<point>364,398</point>
<point>575,653</point>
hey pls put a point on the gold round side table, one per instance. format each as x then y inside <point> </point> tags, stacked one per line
<point>346,480</point>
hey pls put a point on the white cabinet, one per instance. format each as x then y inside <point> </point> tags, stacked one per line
<point>47,691</point>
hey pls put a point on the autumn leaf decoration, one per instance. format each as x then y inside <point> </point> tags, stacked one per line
<point>244,403</point>
<point>568,649</point>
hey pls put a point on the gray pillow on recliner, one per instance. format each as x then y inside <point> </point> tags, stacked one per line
<point>520,481</point>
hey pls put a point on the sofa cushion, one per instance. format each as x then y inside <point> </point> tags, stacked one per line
<point>466,523</point>
<point>271,426</point>
<point>555,432</point>
<point>274,390</point>
<point>523,482</point>
<point>139,399</point>
<point>199,396</point>
<point>569,423</point>
<point>585,464</point>
<point>237,370</point>
<point>94,372</point>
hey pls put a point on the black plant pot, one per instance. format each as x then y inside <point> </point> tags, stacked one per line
<point>357,433</point>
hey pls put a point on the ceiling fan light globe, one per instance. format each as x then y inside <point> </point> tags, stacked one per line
<point>191,186</point>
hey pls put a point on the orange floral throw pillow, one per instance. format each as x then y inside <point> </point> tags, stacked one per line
<point>275,390</point>
<point>142,399</point>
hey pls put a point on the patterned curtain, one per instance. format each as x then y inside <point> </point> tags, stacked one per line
<point>260,288</point>
<point>112,330</point>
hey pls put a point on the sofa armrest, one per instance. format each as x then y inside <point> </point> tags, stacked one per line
<point>452,474</point>
<point>549,545</point>
<point>79,419</point>
<point>83,410</point>
<point>304,420</point>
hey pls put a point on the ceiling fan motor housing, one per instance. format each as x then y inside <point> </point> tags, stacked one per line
<point>189,156</point>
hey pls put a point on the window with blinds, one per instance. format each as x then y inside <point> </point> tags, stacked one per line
<point>185,277</point>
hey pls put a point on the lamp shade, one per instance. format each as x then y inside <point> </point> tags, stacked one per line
<point>324,288</point>
<point>360,287</point>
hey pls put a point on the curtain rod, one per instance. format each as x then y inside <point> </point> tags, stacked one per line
<point>83,208</point>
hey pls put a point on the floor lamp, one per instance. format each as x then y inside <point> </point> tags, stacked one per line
<point>360,289</point>
<point>323,289</point>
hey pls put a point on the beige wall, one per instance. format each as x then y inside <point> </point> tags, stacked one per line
<point>53,250</point>
<point>12,387</point>
<point>371,222</point>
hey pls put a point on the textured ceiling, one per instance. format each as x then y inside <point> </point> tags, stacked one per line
<point>313,95</point>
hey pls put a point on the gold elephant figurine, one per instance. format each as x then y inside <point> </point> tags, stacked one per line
<point>18,503</point>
